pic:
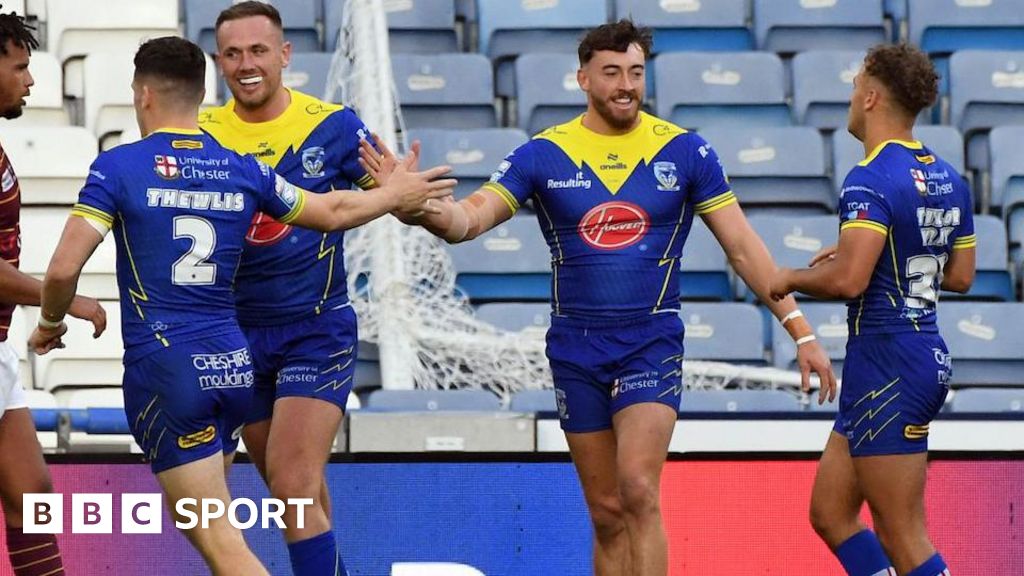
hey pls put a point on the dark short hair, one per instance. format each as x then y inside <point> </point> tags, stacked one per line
<point>248,9</point>
<point>13,29</point>
<point>176,61</point>
<point>908,74</point>
<point>617,36</point>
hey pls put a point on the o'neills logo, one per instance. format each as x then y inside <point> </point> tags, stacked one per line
<point>614,225</point>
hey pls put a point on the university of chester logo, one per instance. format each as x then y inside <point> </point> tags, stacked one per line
<point>614,225</point>
<point>166,167</point>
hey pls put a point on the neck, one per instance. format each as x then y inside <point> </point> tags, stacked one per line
<point>172,121</point>
<point>877,132</point>
<point>596,123</point>
<point>269,110</point>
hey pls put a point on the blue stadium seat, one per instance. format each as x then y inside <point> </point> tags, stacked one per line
<point>698,90</point>
<point>896,10</point>
<point>945,141</point>
<point>432,400</point>
<point>533,401</point>
<point>547,92</point>
<point>511,262</point>
<point>992,280</point>
<point>516,316</point>
<point>307,72</point>
<point>985,340</point>
<point>782,166</point>
<point>987,400</point>
<point>445,90</point>
<point>945,26</point>
<point>794,240</point>
<point>508,29</point>
<point>472,154</point>
<point>421,26</point>
<point>299,18</point>
<point>680,26</point>
<point>788,26</point>
<point>822,84</point>
<point>705,273</point>
<point>1006,170</point>
<point>828,319</point>
<point>723,332</point>
<point>739,401</point>
<point>986,90</point>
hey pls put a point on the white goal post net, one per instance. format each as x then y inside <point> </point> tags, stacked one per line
<point>401,279</point>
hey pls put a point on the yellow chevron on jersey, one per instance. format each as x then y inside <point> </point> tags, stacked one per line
<point>612,158</point>
<point>289,130</point>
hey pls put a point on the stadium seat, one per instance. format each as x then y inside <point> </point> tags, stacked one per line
<point>780,166</point>
<point>106,402</point>
<point>1006,170</point>
<point>945,26</point>
<point>307,72</point>
<point>895,10</point>
<point>789,26</point>
<point>945,141</point>
<point>45,104</point>
<point>367,374</point>
<point>987,400</point>
<point>508,29</point>
<point>723,332</point>
<point>17,337</point>
<point>547,93</point>
<point>17,6</point>
<point>73,32</point>
<point>51,162</point>
<point>108,94</point>
<point>690,25</point>
<point>421,26</point>
<point>986,90</point>
<point>705,273</point>
<point>985,341</point>
<point>794,240</point>
<point>739,401</point>
<point>533,401</point>
<point>445,90</point>
<point>431,400</point>
<point>534,317</point>
<point>992,280</point>
<point>472,154</point>
<point>299,18</point>
<point>91,397</point>
<point>699,90</point>
<point>511,262</point>
<point>40,232</point>
<point>822,85</point>
<point>86,361</point>
<point>828,319</point>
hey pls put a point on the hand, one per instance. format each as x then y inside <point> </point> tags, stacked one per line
<point>45,339</point>
<point>812,358</point>
<point>823,255</point>
<point>779,286</point>
<point>379,161</point>
<point>413,191</point>
<point>90,309</point>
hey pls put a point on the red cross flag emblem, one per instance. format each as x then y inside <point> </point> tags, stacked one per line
<point>167,167</point>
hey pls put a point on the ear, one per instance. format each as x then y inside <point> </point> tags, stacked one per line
<point>146,97</point>
<point>583,80</point>
<point>286,54</point>
<point>872,98</point>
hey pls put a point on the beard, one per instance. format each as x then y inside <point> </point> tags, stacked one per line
<point>12,112</point>
<point>616,119</point>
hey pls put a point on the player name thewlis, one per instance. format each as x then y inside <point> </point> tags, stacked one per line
<point>195,199</point>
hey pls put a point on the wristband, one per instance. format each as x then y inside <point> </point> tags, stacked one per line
<point>806,339</point>
<point>794,314</point>
<point>49,324</point>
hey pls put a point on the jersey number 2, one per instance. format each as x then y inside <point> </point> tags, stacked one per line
<point>925,274</point>
<point>192,269</point>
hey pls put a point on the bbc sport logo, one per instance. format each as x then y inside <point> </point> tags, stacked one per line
<point>142,513</point>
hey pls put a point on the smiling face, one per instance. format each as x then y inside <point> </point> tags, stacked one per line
<point>251,52</point>
<point>615,85</point>
<point>15,80</point>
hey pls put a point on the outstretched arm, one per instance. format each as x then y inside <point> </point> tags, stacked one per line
<point>843,274</point>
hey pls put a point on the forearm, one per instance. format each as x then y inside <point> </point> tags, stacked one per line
<point>755,266</point>
<point>352,209</point>
<point>58,294</point>
<point>826,281</point>
<point>452,223</point>
<point>16,287</point>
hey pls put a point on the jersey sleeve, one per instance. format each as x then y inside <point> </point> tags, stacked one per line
<point>965,236</point>
<point>353,131</point>
<point>275,196</point>
<point>513,180</point>
<point>709,186</point>
<point>862,204</point>
<point>99,198</point>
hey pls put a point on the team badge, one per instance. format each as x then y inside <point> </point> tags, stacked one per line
<point>665,172</point>
<point>167,167</point>
<point>313,162</point>
<point>919,181</point>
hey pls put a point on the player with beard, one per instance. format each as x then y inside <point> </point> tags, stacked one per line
<point>22,468</point>
<point>616,191</point>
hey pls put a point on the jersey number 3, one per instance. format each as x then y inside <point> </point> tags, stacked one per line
<point>925,275</point>
<point>192,269</point>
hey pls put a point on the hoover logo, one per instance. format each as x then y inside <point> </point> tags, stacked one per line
<point>614,225</point>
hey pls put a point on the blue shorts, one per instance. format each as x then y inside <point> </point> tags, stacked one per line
<point>893,386</point>
<point>599,371</point>
<point>312,358</point>
<point>188,401</point>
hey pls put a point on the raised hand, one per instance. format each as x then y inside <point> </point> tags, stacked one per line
<point>823,255</point>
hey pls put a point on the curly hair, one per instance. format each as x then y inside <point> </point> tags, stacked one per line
<point>617,36</point>
<point>908,74</point>
<point>13,29</point>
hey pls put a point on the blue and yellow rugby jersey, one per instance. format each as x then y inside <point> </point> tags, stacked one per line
<point>921,204</point>
<point>615,211</point>
<point>179,205</point>
<point>290,273</point>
